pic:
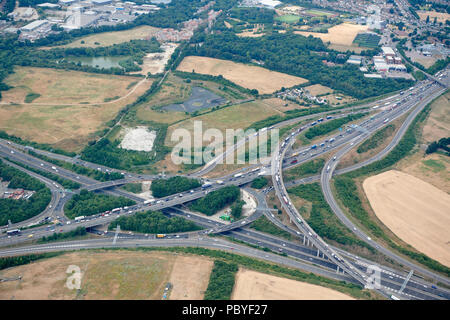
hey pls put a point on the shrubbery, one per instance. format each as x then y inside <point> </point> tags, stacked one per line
<point>89,203</point>
<point>216,200</point>
<point>166,187</point>
<point>221,281</point>
<point>20,210</point>
<point>153,222</point>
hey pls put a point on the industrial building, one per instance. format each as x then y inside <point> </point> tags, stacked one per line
<point>34,25</point>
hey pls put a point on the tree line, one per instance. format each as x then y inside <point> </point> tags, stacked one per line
<point>221,281</point>
<point>296,55</point>
<point>332,125</point>
<point>216,200</point>
<point>89,203</point>
<point>166,187</point>
<point>153,222</point>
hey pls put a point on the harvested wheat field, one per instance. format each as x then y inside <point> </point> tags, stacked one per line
<point>438,123</point>
<point>109,275</point>
<point>318,89</point>
<point>252,285</point>
<point>342,34</point>
<point>250,77</point>
<point>417,212</point>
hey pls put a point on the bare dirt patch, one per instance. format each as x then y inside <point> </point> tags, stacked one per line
<point>414,210</point>
<point>318,89</point>
<point>342,34</point>
<point>109,275</point>
<point>437,125</point>
<point>247,76</point>
<point>139,139</point>
<point>252,285</point>
<point>191,286</point>
<point>154,63</point>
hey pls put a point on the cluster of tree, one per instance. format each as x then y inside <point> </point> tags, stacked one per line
<point>166,187</point>
<point>109,153</point>
<point>9,262</point>
<point>440,144</point>
<point>259,183</point>
<point>331,125</point>
<point>322,219</point>
<point>264,225</point>
<point>253,15</point>
<point>305,169</point>
<point>85,171</point>
<point>376,139</point>
<point>221,281</point>
<point>216,200</point>
<point>20,210</point>
<point>78,232</point>
<point>60,57</point>
<point>296,55</point>
<point>89,203</point>
<point>68,184</point>
<point>236,208</point>
<point>153,222</point>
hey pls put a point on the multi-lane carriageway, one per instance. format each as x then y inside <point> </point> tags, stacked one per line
<point>173,204</point>
<point>291,210</point>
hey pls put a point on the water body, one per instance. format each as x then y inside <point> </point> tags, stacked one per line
<point>200,99</point>
<point>99,62</point>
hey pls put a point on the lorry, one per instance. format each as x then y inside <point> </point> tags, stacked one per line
<point>285,200</point>
<point>149,201</point>
<point>329,117</point>
<point>116,210</point>
<point>238,175</point>
<point>219,181</point>
<point>79,218</point>
<point>160,235</point>
<point>206,185</point>
<point>314,146</point>
<point>320,120</point>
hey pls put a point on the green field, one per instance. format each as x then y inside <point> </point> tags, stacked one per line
<point>319,13</point>
<point>368,40</point>
<point>288,18</point>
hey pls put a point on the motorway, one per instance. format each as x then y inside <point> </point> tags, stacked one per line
<point>335,262</point>
<point>372,126</point>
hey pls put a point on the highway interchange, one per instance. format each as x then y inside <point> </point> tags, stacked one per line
<point>312,254</point>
